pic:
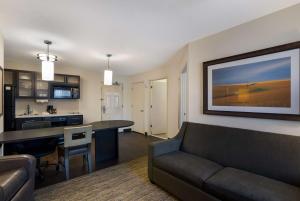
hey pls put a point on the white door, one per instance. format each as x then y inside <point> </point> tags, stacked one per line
<point>183,97</point>
<point>138,107</point>
<point>158,106</point>
<point>111,102</point>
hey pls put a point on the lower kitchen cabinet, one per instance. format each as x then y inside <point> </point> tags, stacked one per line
<point>56,121</point>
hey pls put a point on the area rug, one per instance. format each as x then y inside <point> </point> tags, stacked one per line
<point>124,182</point>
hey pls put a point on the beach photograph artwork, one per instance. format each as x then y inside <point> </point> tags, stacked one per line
<point>258,84</point>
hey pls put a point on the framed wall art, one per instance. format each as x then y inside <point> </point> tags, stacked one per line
<point>260,84</point>
<point>1,91</point>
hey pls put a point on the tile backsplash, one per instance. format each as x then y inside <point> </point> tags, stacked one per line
<point>62,106</point>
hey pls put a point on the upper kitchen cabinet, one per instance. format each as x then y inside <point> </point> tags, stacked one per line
<point>10,77</point>
<point>29,84</point>
<point>73,79</point>
<point>59,78</point>
<point>41,87</point>
<point>25,84</point>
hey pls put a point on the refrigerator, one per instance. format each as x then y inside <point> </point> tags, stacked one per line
<point>9,107</point>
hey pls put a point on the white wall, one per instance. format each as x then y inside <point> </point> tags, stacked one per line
<point>274,29</point>
<point>2,65</point>
<point>90,93</point>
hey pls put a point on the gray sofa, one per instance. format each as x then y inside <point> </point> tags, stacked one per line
<point>17,174</point>
<point>206,162</point>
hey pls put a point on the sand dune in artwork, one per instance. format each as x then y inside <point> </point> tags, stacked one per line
<point>274,93</point>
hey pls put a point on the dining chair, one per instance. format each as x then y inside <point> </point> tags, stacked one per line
<point>38,148</point>
<point>77,141</point>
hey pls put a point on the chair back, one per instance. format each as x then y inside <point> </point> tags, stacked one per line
<point>35,125</point>
<point>37,147</point>
<point>77,136</point>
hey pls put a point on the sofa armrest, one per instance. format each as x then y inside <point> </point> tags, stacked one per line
<point>18,161</point>
<point>21,161</point>
<point>163,147</point>
<point>159,148</point>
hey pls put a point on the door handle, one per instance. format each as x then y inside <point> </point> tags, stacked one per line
<point>142,110</point>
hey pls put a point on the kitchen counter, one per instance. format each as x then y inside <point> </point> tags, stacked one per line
<point>60,119</point>
<point>46,115</point>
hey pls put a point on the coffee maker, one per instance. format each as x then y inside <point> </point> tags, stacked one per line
<point>51,109</point>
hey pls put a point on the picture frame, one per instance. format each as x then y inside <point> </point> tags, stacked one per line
<point>259,84</point>
<point>1,90</point>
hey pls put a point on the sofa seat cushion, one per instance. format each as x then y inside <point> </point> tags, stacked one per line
<point>11,181</point>
<point>238,185</point>
<point>187,167</point>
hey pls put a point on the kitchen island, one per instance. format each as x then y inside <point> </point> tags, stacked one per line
<point>105,135</point>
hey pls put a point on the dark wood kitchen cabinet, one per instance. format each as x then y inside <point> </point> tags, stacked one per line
<point>56,121</point>
<point>25,84</point>
<point>10,77</point>
<point>20,121</point>
<point>29,84</point>
<point>73,79</point>
<point>74,120</point>
<point>41,87</point>
<point>59,78</point>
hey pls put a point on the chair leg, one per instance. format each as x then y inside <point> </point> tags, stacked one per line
<point>38,167</point>
<point>84,158</point>
<point>66,161</point>
<point>89,157</point>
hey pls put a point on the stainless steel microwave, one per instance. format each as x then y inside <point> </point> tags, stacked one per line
<point>65,92</point>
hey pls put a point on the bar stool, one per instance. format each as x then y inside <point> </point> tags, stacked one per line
<point>77,141</point>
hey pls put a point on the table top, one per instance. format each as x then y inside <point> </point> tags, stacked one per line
<point>21,135</point>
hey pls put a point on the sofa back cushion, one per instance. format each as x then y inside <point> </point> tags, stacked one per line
<point>272,155</point>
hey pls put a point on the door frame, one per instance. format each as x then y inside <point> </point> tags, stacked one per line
<point>144,122</point>
<point>101,99</point>
<point>149,106</point>
<point>185,70</point>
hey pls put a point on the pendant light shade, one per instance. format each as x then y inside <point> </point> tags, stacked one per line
<point>47,63</point>
<point>108,74</point>
<point>108,77</point>
<point>47,70</point>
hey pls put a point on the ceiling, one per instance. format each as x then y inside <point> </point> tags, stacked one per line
<point>141,34</point>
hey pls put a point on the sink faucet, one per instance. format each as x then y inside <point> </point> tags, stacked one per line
<point>28,110</point>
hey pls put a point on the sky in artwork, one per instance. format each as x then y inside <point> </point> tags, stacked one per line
<point>275,69</point>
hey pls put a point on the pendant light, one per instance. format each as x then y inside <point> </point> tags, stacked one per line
<point>108,73</point>
<point>47,63</point>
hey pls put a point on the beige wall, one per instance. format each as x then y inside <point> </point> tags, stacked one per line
<point>2,65</point>
<point>271,30</point>
<point>62,106</point>
<point>170,70</point>
<point>275,29</point>
<point>89,104</point>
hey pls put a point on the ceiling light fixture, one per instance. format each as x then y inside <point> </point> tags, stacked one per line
<point>108,73</point>
<point>47,63</point>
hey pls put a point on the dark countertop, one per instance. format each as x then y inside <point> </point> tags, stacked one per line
<point>21,135</point>
<point>25,116</point>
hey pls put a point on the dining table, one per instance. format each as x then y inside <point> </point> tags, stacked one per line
<point>105,134</point>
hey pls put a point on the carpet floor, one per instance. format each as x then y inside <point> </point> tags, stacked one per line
<point>124,182</point>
